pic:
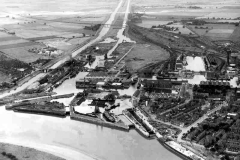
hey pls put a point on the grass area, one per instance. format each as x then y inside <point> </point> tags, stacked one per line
<point>14,152</point>
<point>236,35</point>
<point>9,42</point>
<point>143,54</point>
<point>214,31</point>
<point>17,45</point>
<point>75,41</point>
<point>3,77</point>
<point>23,54</point>
<point>3,34</point>
<point>8,38</point>
<point>150,23</point>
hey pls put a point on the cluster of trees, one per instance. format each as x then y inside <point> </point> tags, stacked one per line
<point>93,28</point>
<point>166,27</point>
<point>196,27</point>
<point>9,155</point>
<point>10,67</point>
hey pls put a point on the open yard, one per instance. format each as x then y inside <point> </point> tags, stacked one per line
<point>143,54</point>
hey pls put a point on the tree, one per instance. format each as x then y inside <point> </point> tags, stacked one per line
<point>105,56</point>
<point>89,59</point>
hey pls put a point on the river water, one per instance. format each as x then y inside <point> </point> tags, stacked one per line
<point>76,140</point>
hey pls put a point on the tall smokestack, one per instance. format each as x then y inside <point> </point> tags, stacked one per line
<point>228,55</point>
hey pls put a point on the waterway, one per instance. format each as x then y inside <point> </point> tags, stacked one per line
<point>195,64</point>
<point>102,33</point>
<point>76,140</point>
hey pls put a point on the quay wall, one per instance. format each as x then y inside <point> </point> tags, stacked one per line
<point>99,122</point>
<point>54,114</point>
<point>169,148</point>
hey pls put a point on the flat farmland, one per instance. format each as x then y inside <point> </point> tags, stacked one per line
<point>150,23</point>
<point>12,42</point>
<point>17,45</point>
<point>224,13</point>
<point>24,33</point>
<point>65,26</point>
<point>59,43</point>
<point>22,53</point>
<point>214,31</point>
<point>181,29</point>
<point>71,35</point>
<point>4,34</point>
<point>140,56</point>
<point>8,38</point>
<point>76,41</point>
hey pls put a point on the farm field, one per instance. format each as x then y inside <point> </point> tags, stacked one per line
<point>3,34</point>
<point>150,23</point>
<point>139,56</point>
<point>8,38</point>
<point>9,42</point>
<point>52,24</point>
<point>76,41</point>
<point>229,13</point>
<point>17,45</point>
<point>214,31</point>
<point>22,53</point>
<point>181,29</point>
<point>59,43</point>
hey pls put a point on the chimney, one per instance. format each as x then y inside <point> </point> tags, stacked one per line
<point>228,55</point>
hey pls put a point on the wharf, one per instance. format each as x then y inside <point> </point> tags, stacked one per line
<point>96,121</point>
<point>45,113</point>
<point>179,150</point>
<point>138,126</point>
<point>125,120</point>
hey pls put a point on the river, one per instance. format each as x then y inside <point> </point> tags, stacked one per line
<point>76,140</point>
